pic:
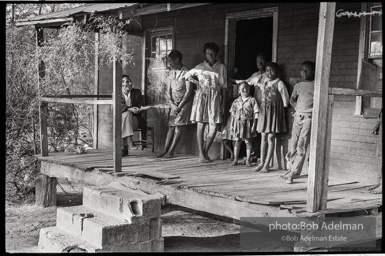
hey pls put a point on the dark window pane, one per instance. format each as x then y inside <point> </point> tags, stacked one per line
<point>376,20</point>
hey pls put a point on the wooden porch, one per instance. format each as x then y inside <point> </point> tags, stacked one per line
<point>217,188</point>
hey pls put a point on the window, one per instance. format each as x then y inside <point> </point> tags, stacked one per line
<point>162,43</point>
<point>375,32</point>
<point>370,60</point>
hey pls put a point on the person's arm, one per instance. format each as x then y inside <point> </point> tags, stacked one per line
<point>294,97</point>
<point>187,96</point>
<point>255,115</point>
<point>284,94</point>
<point>223,89</point>
<point>190,76</point>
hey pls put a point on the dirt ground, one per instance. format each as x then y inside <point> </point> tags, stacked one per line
<point>183,231</point>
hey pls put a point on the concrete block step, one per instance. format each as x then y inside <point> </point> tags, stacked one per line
<point>103,230</point>
<point>123,203</point>
<point>56,240</point>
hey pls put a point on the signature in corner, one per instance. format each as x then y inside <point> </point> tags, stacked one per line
<point>341,13</point>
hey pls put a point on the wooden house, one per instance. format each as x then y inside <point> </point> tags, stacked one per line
<point>343,41</point>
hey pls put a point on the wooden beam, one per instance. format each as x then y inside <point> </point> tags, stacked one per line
<point>78,96</point>
<point>117,118</point>
<point>328,140</point>
<point>77,101</point>
<point>320,107</point>
<point>43,107</point>
<point>164,8</point>
<point>45,191</point>
<point>96,90</point>
<point>361,55</point>
<point>354,92</point>
<point>58,22</point>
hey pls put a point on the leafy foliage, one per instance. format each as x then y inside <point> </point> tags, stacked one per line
<point>68,56</point>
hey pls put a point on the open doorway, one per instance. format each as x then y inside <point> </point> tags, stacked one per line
<point>252,36</point>
<point>249,33</point>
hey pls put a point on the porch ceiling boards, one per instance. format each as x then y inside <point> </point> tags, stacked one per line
<point>186,182</point>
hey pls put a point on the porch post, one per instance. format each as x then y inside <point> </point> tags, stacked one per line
<point>43,106</point>
<point>318,177</point>
<point>96,82</point>
<point>117,118</point>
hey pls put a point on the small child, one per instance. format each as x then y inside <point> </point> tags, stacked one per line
<point>271,114</point>
<point>302,101</point>
<point>244,115</point>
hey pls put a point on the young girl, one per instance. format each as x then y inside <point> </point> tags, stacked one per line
<point>244,115</point>
<point>208,104</point>
<point>271,114</point>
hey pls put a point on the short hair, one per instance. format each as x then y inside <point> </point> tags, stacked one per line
<point>245,84</point>
<point>212,46</point>
<point>310,64</point>
<point>128,77</point>
<point>175,54</point>
<point>263,55</point>
<point>272,65</point>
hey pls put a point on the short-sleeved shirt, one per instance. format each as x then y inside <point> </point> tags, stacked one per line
<point>302,98</point>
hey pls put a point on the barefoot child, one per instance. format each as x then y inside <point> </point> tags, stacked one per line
<point>244,113</point>
<point>302,101</point>
<point>271,114</point>
<point>180,98</point>
<point>208,104</point>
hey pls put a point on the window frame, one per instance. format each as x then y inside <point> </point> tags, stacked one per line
<point>362,109</point>
<point>159,32</point>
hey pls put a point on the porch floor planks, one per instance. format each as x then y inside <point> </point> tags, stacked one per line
<point>218,178</point>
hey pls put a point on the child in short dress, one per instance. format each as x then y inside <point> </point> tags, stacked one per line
<point>244,115</point>
<point>271,114</point>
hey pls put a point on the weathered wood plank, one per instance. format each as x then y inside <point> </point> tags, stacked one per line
<point>319,117</point>
<point>96,90</point>
<point>354,92</point>
<point>45,191</point>
<point>76,101</point>
<point>117,117</point>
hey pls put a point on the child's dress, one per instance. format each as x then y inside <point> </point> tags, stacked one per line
<point>272,113</point>
<point>207,100</point>
<point>243,114</point>
<point>178,91</point>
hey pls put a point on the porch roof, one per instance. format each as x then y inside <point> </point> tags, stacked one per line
<point>56,19</point>
<point>67,15</point>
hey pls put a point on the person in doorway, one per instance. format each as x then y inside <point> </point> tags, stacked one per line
<point>180,97</point>
<point>244,116</point>
<point>208,105</point>
<point>302,101</point>
<point>271,114</point>
<point>377,189</point>
<point>132,119</point>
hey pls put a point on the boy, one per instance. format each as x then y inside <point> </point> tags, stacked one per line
<point>302,101</point>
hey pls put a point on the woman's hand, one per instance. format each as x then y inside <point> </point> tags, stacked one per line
<point>134,110</point>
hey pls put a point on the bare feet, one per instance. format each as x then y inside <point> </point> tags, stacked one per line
<point>232,157</point>
<point>132,147</point>
<point>265,169</point>
<point>248,163</point>
<point>203,159</point>
<point>290,177</point>
<point>282,176</point>
<point>258,168</point>
<point>169,155</point>
<point>207,157</point>
<point>377,190</point>
<point>234,163</point>
<point>161,155</point>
